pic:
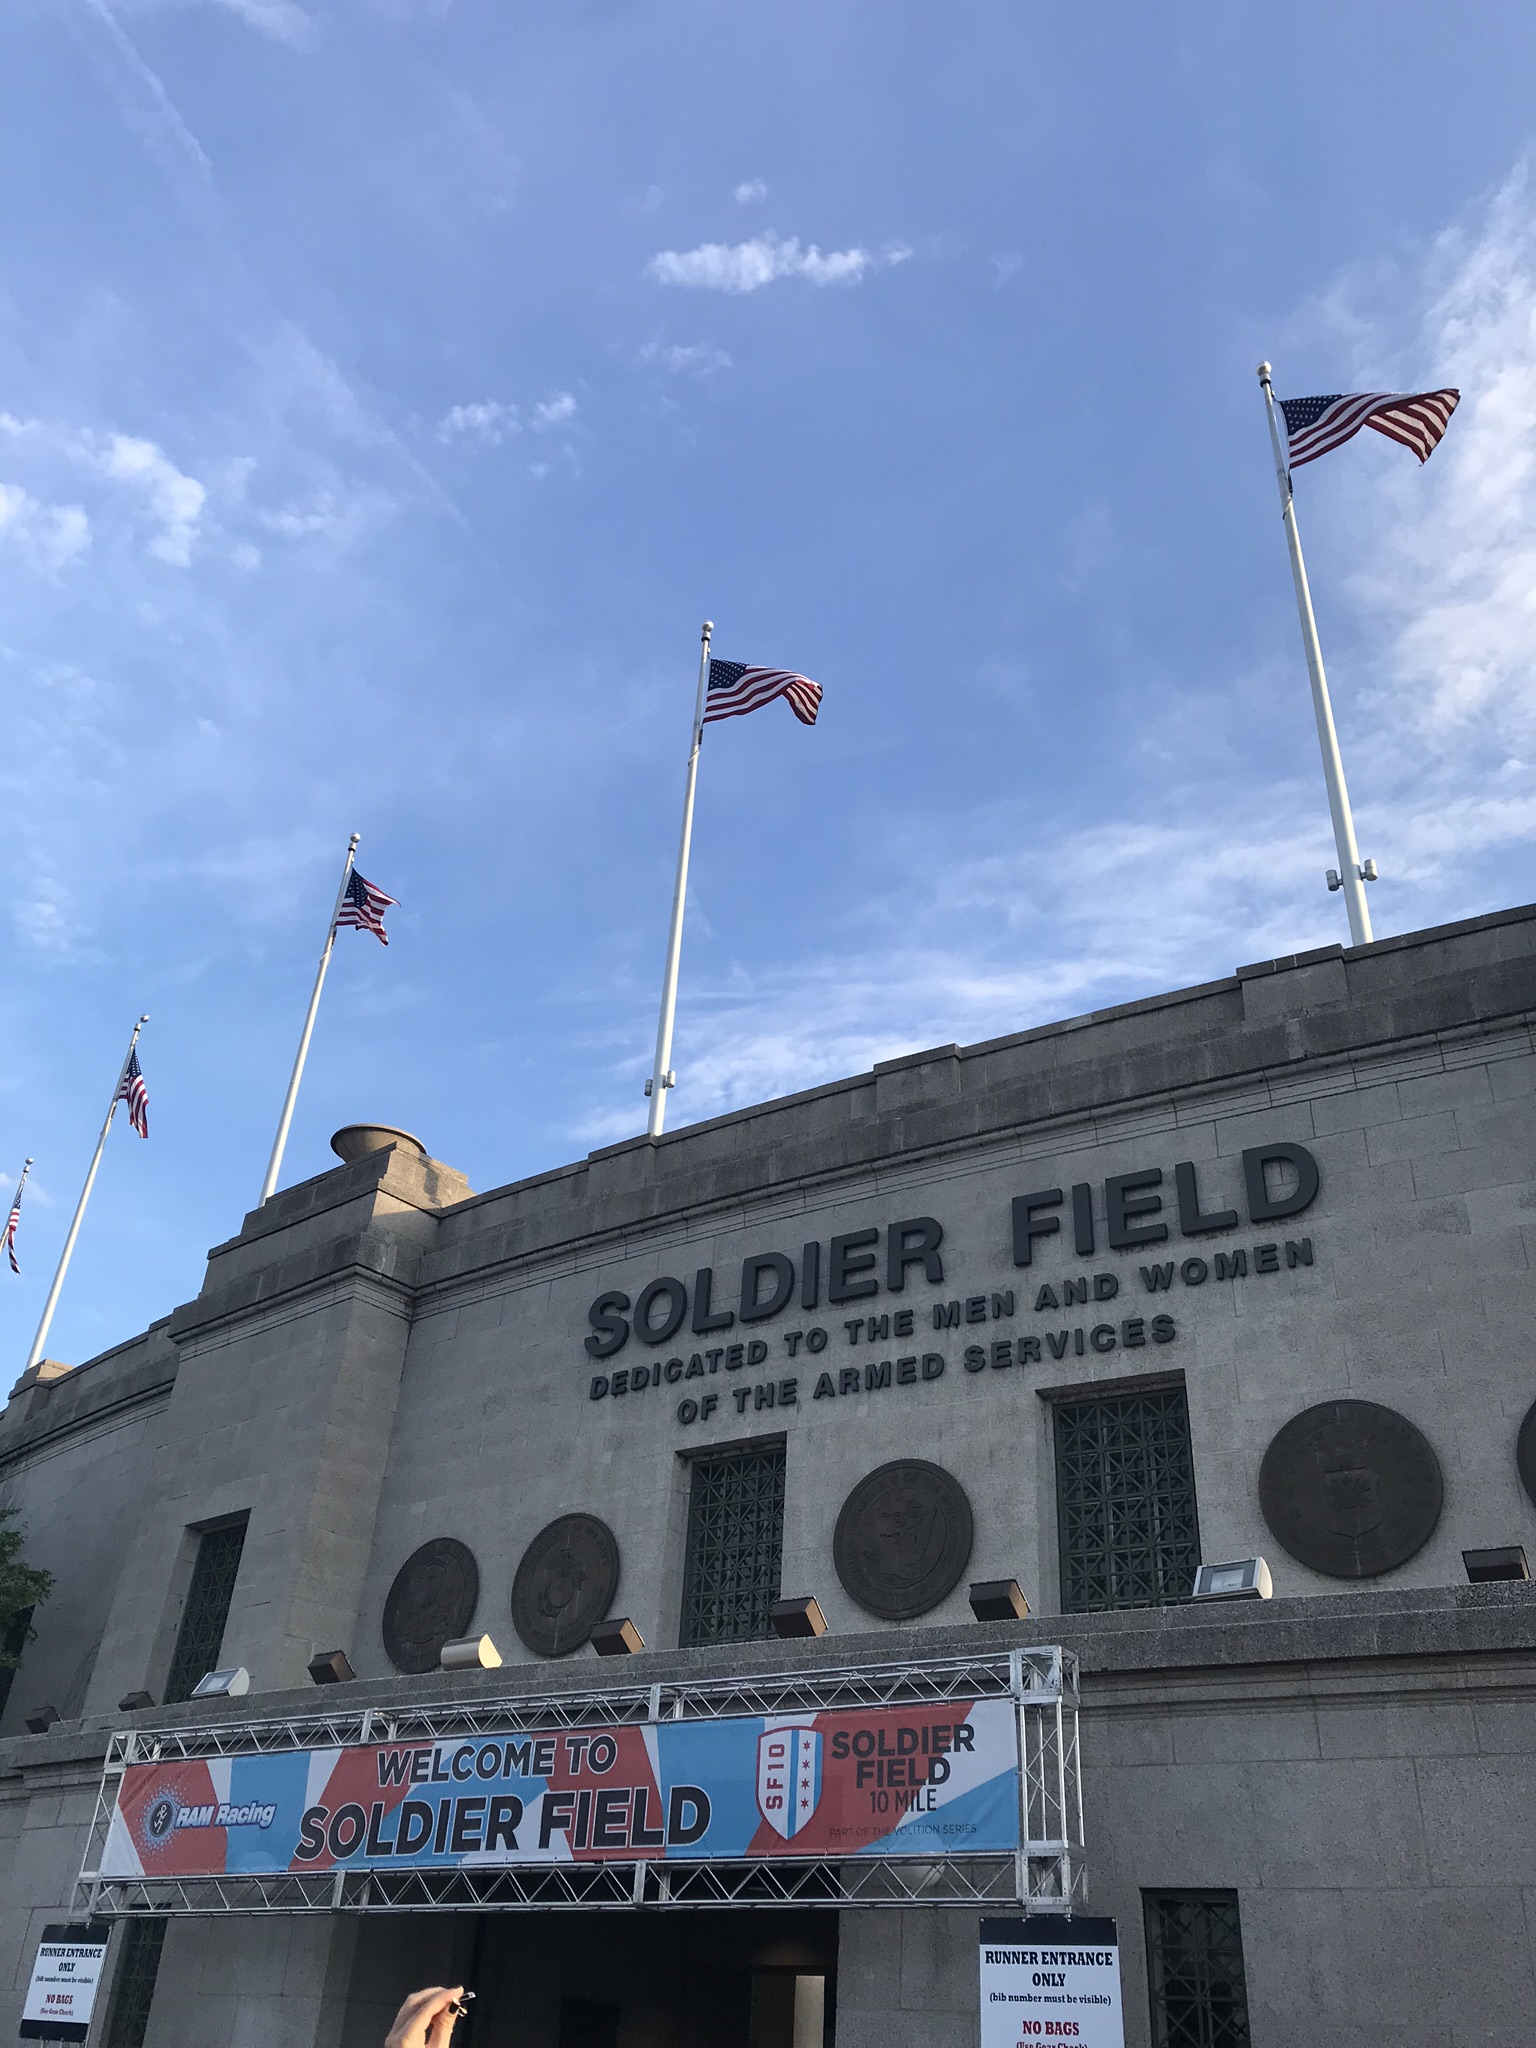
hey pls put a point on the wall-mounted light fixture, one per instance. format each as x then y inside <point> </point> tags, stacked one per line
<point>1484,1566</point>
<point>1246,1578</point>
<point>135,1702</point>
<point>617,1637</point>
<point>470,1653</point>
<point>331,1667</point>
<point>42,1719</point>
<point>999,1600</point>
<point>798,1617</point>
<point>220,1685</point>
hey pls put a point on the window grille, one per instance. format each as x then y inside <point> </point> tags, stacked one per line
<point>735,1540</point>
<point>1195,1970</point>
<point>201,1635</point>
<point>137,1968</point>
<point>1125,1501</point>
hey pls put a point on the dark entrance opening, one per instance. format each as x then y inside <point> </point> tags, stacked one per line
<point>745,1978</point>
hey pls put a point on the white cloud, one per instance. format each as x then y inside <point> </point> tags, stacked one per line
<point>280,19</point>
<point>738,267</point>
<point>174,499</point>
<point>48,535</point>
<point>486,419</point>
<point>283,20</point>
<point>750,191</point>
<point>553,412</point>
<point>1457,561</point>
<point>692,359</point>
<point>336,517</point>
<point>490,421</point>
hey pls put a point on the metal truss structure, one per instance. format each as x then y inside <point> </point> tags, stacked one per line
<point>1046,1873</point>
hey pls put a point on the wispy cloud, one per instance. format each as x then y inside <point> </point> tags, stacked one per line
<point>1460,560</point>
<point>491,421</point>
<point>284,21</point>
<point>173,499</point>
<point>553,412</point>
<point>54,533</point>
<point>483,419</point>
<point>337,518</point>
<point>739,267</point>
<point>750,191</point>
<point>280,19</point>
<point>686,359</point>
<point>49,535</point>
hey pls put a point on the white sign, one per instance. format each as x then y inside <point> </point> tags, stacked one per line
<point>62,1993</point>
<point>1050,1979</point>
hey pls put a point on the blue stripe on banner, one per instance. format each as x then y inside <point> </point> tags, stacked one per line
<point>722,1756</point>
<point>985,1819</point>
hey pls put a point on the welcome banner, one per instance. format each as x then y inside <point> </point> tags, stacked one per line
<point>888,1781</point>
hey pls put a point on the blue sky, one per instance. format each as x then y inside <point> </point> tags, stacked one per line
<point>389,387</point>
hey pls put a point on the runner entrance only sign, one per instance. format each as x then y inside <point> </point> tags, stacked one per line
<point>62,1992</point>
<point>1050,1978</point>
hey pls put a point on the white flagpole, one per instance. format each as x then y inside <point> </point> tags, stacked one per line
<point>1351,876</point>
<point>662,1077</point>
<point>85,1195</point>
<point>275,1163</point>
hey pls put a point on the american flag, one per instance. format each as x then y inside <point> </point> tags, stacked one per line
<point>1315,426</point>
<point>735,689</point>
<point>363,907</point>
<point>131,1090</point>
<point>13,1220</point>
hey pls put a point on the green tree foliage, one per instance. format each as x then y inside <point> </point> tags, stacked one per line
<point>22,1586</point>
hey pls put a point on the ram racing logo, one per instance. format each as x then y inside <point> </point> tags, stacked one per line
<point>788,1776</point>
<point>166,1816</point>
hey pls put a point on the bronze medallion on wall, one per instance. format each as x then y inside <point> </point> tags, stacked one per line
<point>903,1539</point>
<point>1525,1452</point>
<point>432,1601</point>
<point>565,1584</point>
<point>1351,1489</point>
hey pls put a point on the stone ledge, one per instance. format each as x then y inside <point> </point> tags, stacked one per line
<point>89,1393</point>
<point>1492,1623</point>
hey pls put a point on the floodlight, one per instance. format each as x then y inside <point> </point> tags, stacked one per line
<point>469,1653</point>
<point>999,1600</point>
<point>1484,1566</point>
<point>220,1685</point>
<point>331,1667</point>
<point>42,1719</point>
<point>798,1617</point>
<point>1246,1578</point>
<point>135,1702</point>
<point>617,1637</point>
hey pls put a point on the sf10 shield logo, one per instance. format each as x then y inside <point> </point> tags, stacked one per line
<point>788,1776</point>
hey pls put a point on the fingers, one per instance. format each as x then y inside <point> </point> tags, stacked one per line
<point>420,2021</point>
<point>440,2026</point>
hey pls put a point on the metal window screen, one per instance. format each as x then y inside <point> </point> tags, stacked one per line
<point>201,1635</point>
<point>735,1540</point>
<point>1125,1501</point>
<point>137,1969</point>
<point>1195,1970</point>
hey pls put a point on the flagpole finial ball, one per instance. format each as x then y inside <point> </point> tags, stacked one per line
<point>1263,373</point>
<point>709,625</point>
